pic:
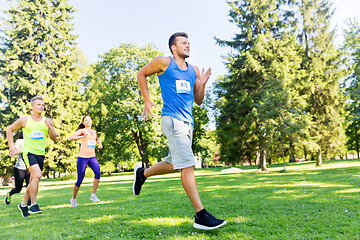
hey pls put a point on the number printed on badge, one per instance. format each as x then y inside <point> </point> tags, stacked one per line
<point>37,135</point>
<point>183,86</point>
<point>91,143</point>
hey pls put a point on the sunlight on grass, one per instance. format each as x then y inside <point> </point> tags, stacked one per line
<point>282,191</point>
<point>82,204</point>
<point>98,203</point>
<point>294,196</point>
<point>105,218</point>
<point>238,219</point>
<point>58,206</point>
<point>315,184</point>
<point>164,221</point>
<point>351,190</point>
<point>6,227</point>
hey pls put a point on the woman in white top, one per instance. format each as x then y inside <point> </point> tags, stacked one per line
<point>21,173</point>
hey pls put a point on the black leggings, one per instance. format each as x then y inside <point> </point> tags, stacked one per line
<point>20,175</point>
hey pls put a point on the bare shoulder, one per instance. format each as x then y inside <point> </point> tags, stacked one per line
<point>81,131</point>
<point>157,65</point>
<point>162,59</point>
<point>94,131</point>
<point>21,122</point>
<point>161,62</point>
<point>196,70</point>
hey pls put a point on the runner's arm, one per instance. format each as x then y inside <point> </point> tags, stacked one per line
<point>199,87</point>
<point>21,122</point>
<point>98,141</point>
<point>81,133</point>
<point>53,134</point>
<point>158,65</point>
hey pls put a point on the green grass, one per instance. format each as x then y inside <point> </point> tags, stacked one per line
<point>302,203</point>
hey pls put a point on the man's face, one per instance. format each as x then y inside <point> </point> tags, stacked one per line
<point>182,47</point>
<point>38,106</point>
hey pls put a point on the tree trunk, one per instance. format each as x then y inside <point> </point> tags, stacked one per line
<point>357,142</point>
<point>141,145</point>
<point>282,152</point>
<point>262,162</point>
<point>6,180</point>
<point>305,153</point>
<point>257,157</point>
<point>319,159</point>
<point>292,154</point>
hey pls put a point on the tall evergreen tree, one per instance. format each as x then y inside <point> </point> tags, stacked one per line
<point>322,63</point>
<point>38,60</point>
<point>352,90</point>
<point>262,72</point>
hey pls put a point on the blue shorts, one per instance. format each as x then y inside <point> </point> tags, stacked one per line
<point>179,135</point>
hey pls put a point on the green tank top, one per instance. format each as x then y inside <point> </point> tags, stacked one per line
<point>35,136</point>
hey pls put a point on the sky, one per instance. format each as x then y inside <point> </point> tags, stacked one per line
<point>105,24</point>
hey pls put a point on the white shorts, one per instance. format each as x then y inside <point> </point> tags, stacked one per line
<point>179,135</point>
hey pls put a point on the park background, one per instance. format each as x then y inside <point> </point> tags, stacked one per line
<point>284,83</point>
<point>287,90</point>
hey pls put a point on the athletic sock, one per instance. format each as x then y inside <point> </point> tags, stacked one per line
<point>23,205</point>
<point>201,213</point>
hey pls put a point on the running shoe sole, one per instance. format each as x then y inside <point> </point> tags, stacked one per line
<point>36,212</point>
<point>199,226</point>
<point>135,170</point>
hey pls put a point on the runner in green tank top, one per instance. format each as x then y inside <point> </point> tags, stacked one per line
<point>35,129</point>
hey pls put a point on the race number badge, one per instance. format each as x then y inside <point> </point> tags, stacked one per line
<point>91,143</point>
<point>183,86</point>
<point>37,135</point>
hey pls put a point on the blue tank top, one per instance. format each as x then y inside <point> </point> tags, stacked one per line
<point>177,90</point>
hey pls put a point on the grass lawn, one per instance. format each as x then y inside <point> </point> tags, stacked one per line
<point>303,203</point>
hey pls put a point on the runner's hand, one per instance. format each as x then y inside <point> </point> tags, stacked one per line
<point>204,77</point>
<point>147,109</point>
<point>13,150</point>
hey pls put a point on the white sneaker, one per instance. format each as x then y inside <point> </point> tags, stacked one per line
<point>94,198</point>
<point>73,202</point>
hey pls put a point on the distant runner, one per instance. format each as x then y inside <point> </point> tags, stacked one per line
<point>35,129</point>
<point>21,173</point>
<point>89,139</point>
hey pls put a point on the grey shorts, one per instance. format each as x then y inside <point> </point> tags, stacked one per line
<point>179,135</point>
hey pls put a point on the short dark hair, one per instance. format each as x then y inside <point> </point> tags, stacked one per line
<point>34,99</point>
<point>172,39</point>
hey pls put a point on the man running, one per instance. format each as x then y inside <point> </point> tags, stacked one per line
<point>181,84</point>
<point>35,129</point>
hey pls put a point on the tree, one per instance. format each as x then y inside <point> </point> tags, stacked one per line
<point>322,64</point>
<point>352,89</point>
<point>262,74</point>
<point>37,60</point>
<point>115,104</point>
<point>201,135</point>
